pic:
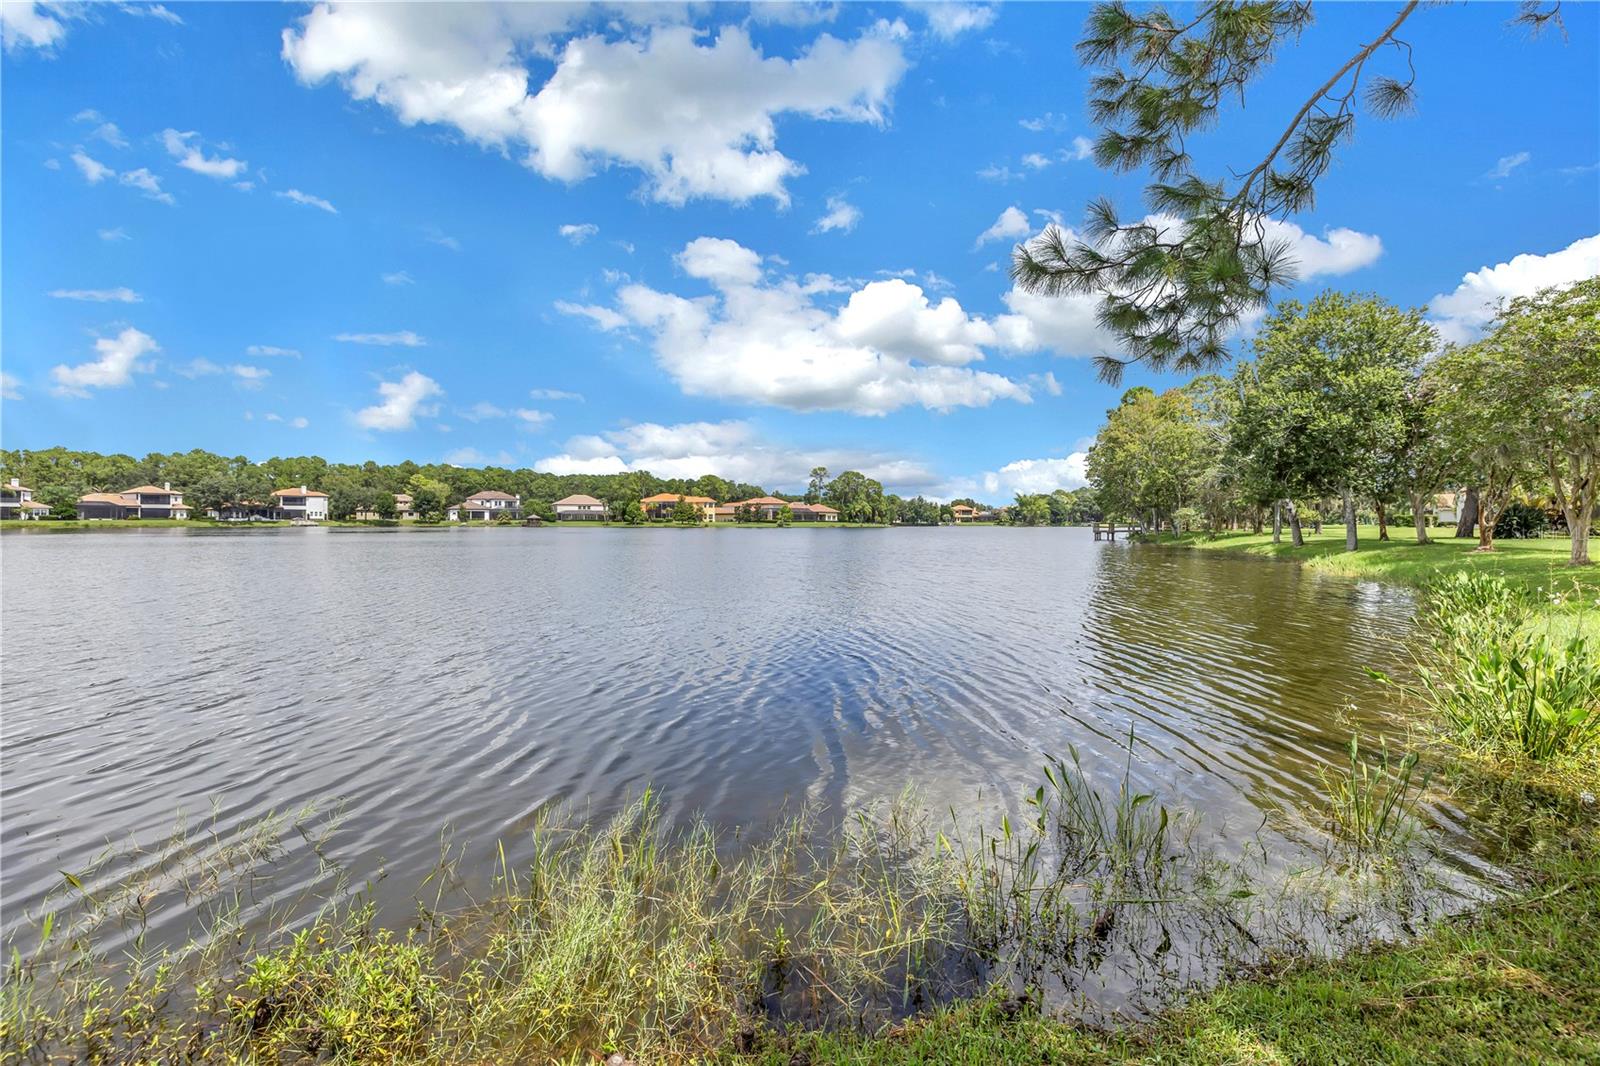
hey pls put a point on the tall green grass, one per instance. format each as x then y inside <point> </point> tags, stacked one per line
<point>1372,806</point>
<point>1499,682</point>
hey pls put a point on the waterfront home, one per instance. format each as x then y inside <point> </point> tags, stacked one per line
<point>484,506</point>
<point>16,501</point>
<point>725,512</point>
<point>761,508</point>
<point>813,512</point>
<point>580,508</point>
<point>145,501</point>
<point>244,511</point>
<point>402,510</point>
<point>962,513</point>
<point>300,503</point>
<point>663,504</point>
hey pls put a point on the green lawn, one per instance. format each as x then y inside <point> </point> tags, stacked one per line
<point>1538,566</point>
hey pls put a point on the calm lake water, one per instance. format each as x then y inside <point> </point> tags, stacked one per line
<point>467,678</point>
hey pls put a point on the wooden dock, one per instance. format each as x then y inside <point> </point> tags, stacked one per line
<point>1109,530</point>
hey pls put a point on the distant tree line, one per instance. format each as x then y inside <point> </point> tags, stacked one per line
<point>59,476</point>
<point>1351,405</point>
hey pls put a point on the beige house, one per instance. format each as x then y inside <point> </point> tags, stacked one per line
<point>16,501</point>
<point>580,508</point>
<point>813,512</point>
<point>663,504</point>
<point>402,510</point>
<point>962,513</point>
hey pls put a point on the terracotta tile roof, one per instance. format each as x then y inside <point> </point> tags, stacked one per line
<point>824,508</point>
<point>297,492</point>
<point>762,501</point>
<point>673,497</point>
<point>33,505</point>
<point>401,497</point>
<point>155,490</point>
<point>489,494</point>
<point>106,497</point>
<point>726,508</point>
<point>577,500</point>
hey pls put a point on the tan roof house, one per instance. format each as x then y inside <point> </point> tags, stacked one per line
<point>144,501</point>
<point>16,501</point>
<point>580,508</point>
<point>813,512</point>
<point>663,504</point>
<point>402,510</point>
<point>962,513</point>
<point>762,508</point>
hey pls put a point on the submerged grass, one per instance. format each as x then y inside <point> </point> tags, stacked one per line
<point>1372,805</point>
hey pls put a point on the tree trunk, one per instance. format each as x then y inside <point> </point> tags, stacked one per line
<point>1255,520</point>
<point>1577,502</point>
<point>1419,516</point>
<point>1277,521</point>
<point>1350,544</point>
<point>1296,537</point>
<point>1488,511</point>
<point>1383,522</point>
<point>1316,524</point>
<point>1469,513</point>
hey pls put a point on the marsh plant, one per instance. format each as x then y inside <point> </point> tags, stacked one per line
<point>1500,684</point>
<point>669,944</point>
<point>1372,805</point>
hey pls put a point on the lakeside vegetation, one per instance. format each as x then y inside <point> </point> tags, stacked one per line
<point>1345,410</point>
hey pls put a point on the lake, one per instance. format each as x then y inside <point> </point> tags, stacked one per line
<point>461,680</point>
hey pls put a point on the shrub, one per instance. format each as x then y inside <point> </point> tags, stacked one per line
<point>1521,521</point>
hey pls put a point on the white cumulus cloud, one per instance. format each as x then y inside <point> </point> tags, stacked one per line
<point>578,232</point>
<point>400,402</point>
<point>464,66</point>
<point>773,341</point>
<point>842,216</point>
<point>1462,314</point>
<point>732,449</point>
<point>118,358</point>
<point>1012,223</point>
<point>185,147</point>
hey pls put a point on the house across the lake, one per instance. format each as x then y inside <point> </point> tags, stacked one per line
<point>580,508</point>
<point>301,503</point>
<point>145,501</point>
<point>813,512</point>
<point>484,506</point>
<point>402,510</point>
<point>962,513</point>
<point>16,501</point>
<point>761,508</point>
<point>663,504</point>
<point>725,512</point>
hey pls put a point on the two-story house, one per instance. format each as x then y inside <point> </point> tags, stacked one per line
<point>580,508</point>
<point>485,506</point>
<point>761,508</point>
<point>300,503</point>
<point>145,501</point>
<point>663,504</point>
<point>16,501</point>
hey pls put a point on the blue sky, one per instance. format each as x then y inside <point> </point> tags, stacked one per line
<point>734,239</point>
